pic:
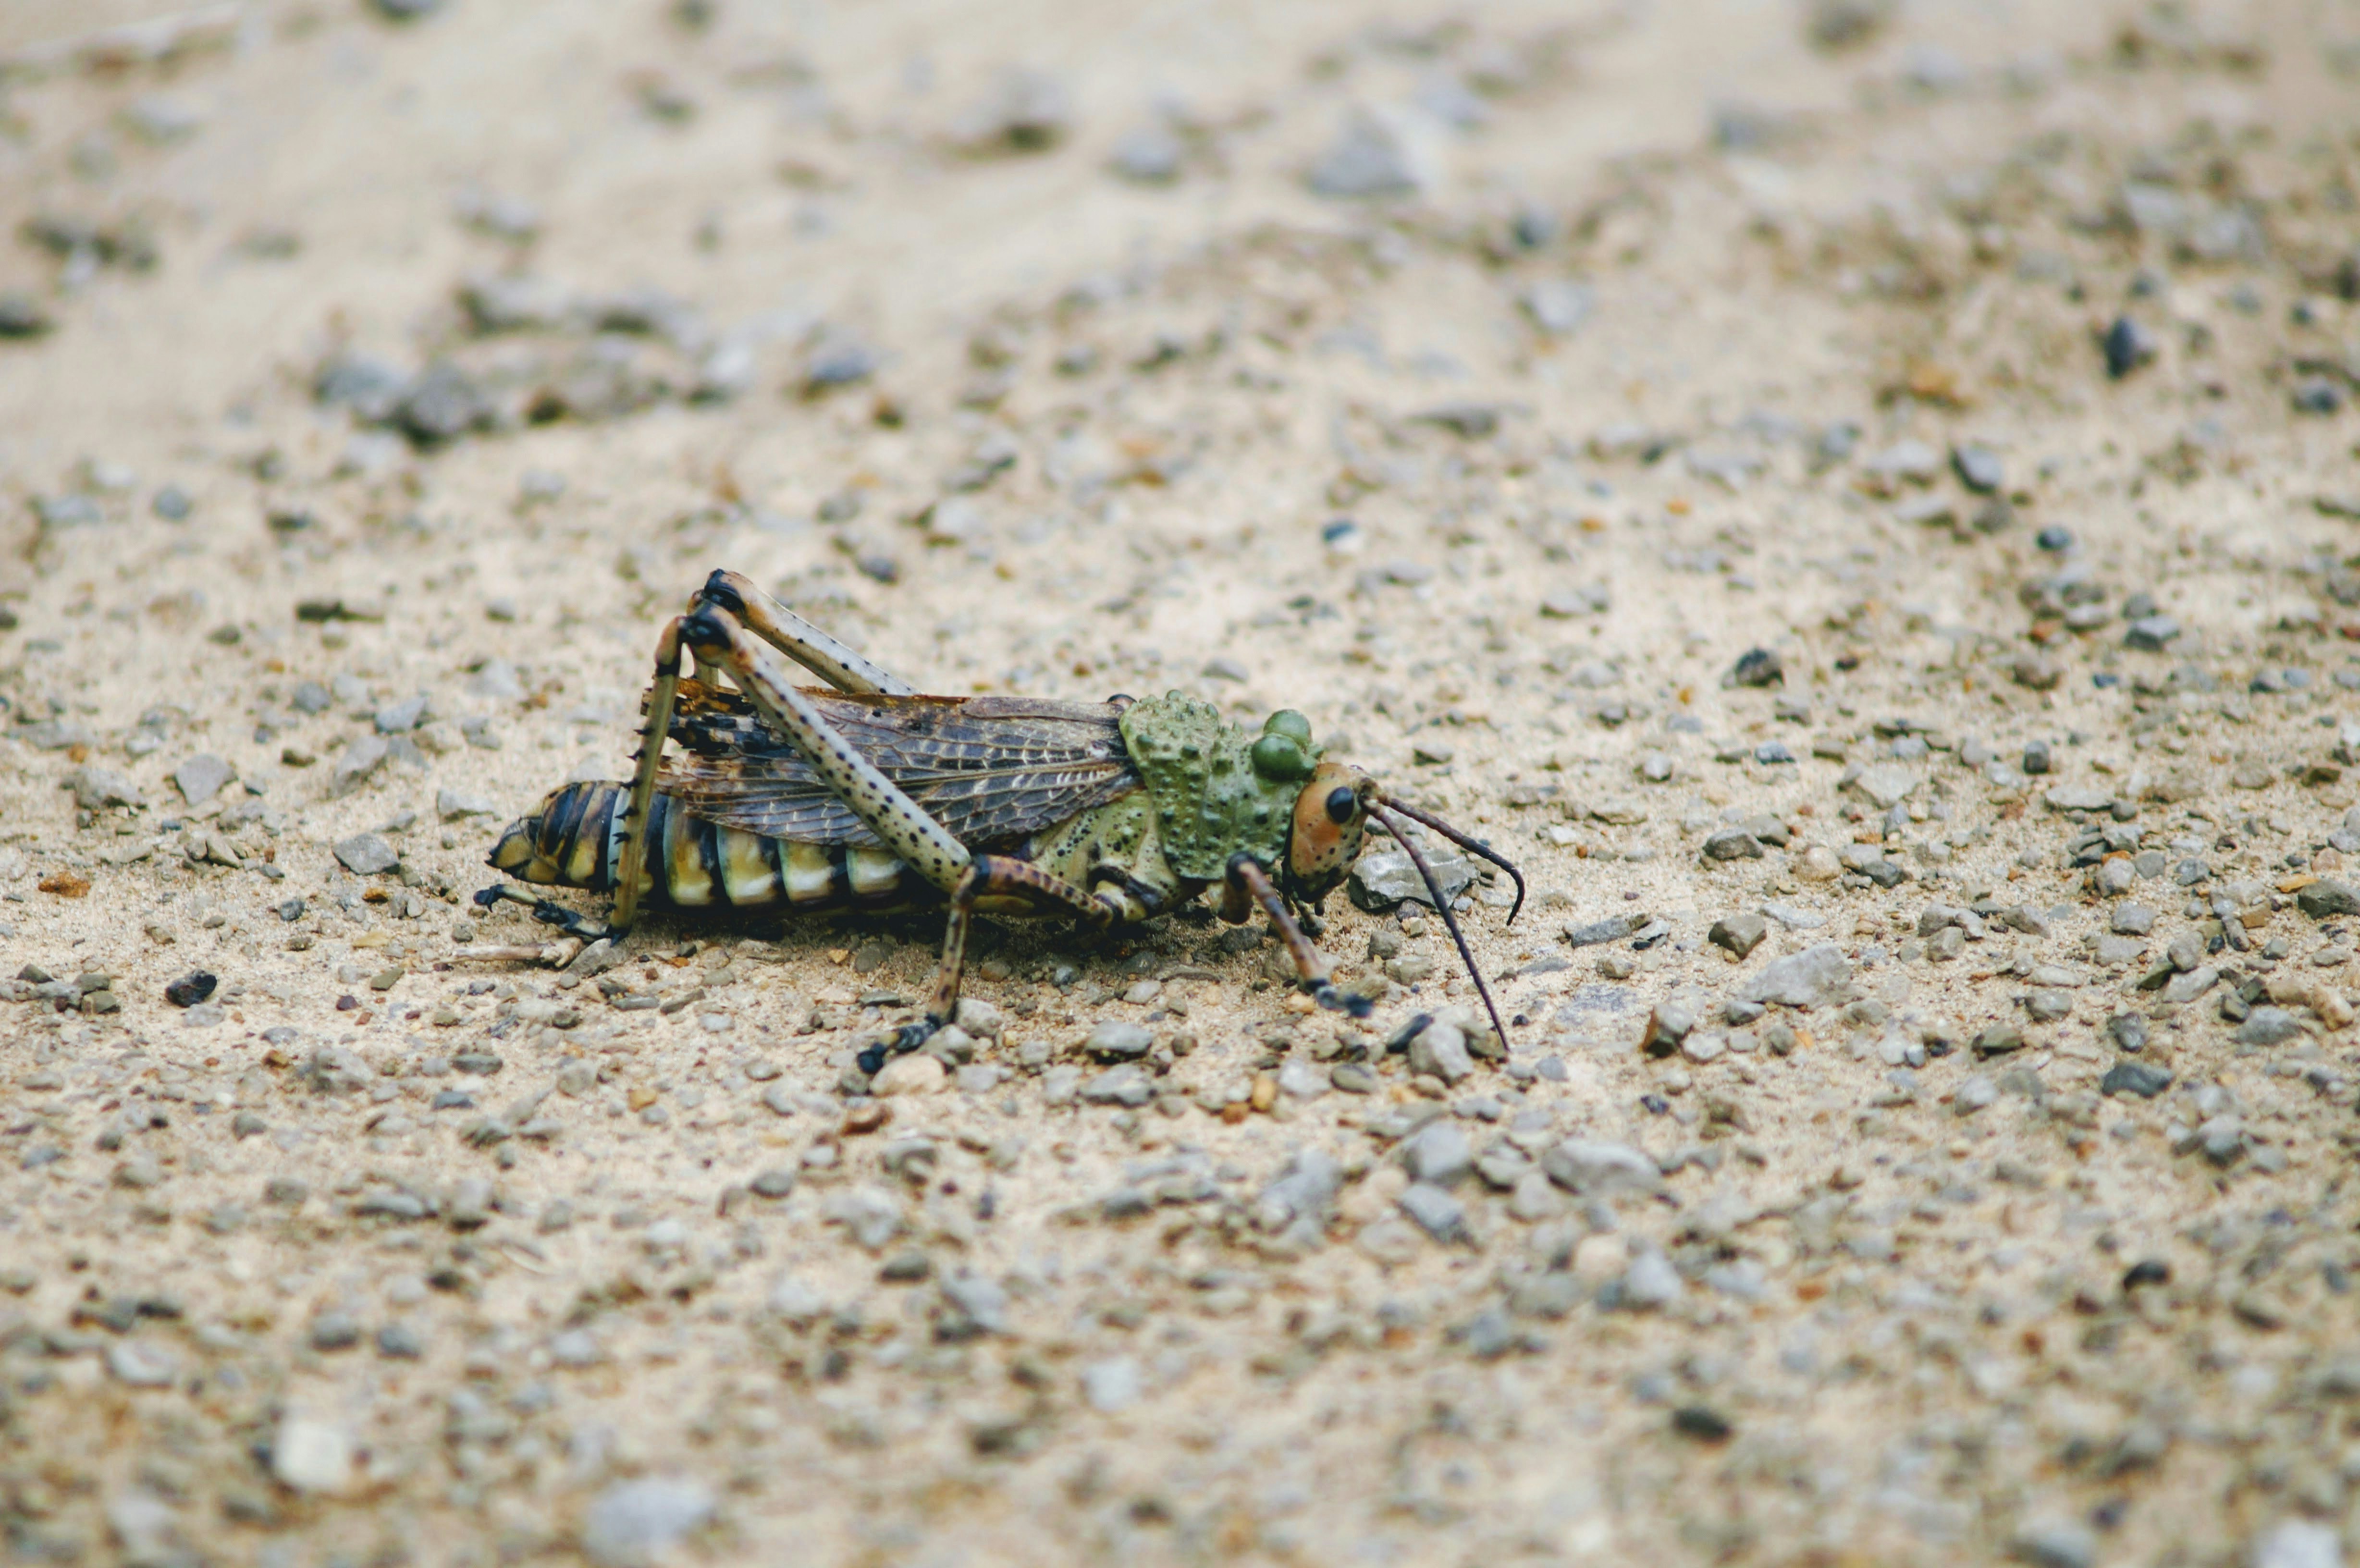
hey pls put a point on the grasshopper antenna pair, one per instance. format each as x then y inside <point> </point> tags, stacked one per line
<point>1383,811</point>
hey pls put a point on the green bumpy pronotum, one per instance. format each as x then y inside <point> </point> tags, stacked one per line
<point>1219,789</point>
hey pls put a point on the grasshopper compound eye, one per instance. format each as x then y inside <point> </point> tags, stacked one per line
<point>1328,823</point>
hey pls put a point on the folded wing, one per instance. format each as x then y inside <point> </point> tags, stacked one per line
<point>991,769</point>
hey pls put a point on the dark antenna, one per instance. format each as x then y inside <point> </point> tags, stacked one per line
<point>1382,814</point>
<point>1471,845</point>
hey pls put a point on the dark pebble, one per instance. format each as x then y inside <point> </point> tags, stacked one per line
<point>22,316</point>
<point>2146,1272</point>
<point>2036,757</point>
<point>1759,667</point>
<point>189,989</point>
<point>2317,395</point>
<point>2144,1079</point>
<point>1701,1422</point>
<point>2054,540</point>
<point>2126,345</point>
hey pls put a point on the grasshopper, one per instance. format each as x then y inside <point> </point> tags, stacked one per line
<point>867,795</point>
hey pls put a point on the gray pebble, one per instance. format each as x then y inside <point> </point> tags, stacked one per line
<point>635,1522</point>
<point>334,1331</point>
<point>367,855</point>
<point>453,804</point>
<point>1437,1213</point>
<point>2151,634</point>
<point>401,718</point>
<point>1112,1385</point>
<point>2299,1544</point>
<point>141,1364</point>
<point>400,1341</point>
<point>2268,1026</point>
<point>2060,1544</point>
<point>2327,897</point>
<point>1438,1154</point>
<point>1150,155</point>
<point>1815,977</point>
<point>1740,934</point>
<point>2144,1079</point>
<point>200,777</point>
<point>1115,1041</point>
<point>1128,1085</point>
<point>1559,307</point>
<point>1369,158</point>
<point>362,758</point>
<point>1977,467</point>
<point>1733,843</point>
<point>1614,927</point>
<point>1440,1049</point>
<point>1649,1282</point>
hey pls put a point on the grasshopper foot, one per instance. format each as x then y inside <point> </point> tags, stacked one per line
<point>1351,1003</point>
<point>548,911</point>
<point>900,1043</point>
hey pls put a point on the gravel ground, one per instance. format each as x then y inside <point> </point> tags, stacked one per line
<point>1855,499</point>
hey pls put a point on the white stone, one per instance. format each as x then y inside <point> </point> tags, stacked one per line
<point>312,1456</point>
<point>916,1073</point>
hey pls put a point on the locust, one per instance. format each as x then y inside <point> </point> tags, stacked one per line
<point>865,794</point>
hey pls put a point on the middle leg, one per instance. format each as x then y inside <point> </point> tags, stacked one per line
<point>987,875</point>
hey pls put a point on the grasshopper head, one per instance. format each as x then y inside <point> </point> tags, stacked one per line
<point>1330,816</point>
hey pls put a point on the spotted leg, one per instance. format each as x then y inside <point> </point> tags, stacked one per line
<point>987,876</point>
<point>796,637</point>
<point>757,613</point>
<point>1247,883</point>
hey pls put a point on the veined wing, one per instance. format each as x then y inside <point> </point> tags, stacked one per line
<point>990,769</point>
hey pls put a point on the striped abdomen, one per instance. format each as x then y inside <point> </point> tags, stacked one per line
<point>575,840</point>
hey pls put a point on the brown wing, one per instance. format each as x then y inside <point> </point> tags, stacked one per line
<point>990,769</point>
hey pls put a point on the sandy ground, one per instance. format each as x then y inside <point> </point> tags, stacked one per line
<point>1485,383</point>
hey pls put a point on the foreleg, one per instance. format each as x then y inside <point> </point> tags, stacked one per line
<point>1247,882</point>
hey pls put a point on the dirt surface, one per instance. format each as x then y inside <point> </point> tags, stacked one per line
<point>1715,451</point>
